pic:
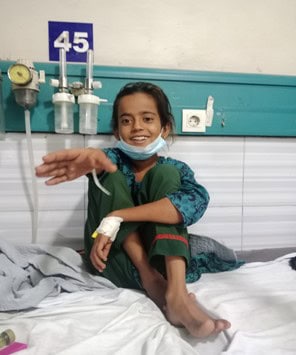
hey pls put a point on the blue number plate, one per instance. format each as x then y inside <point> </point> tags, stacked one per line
<point>75,38</point>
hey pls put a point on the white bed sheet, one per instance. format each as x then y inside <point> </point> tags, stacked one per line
<point>259,299</point>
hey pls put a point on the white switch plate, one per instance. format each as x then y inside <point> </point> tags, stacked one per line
<point>194,120</point>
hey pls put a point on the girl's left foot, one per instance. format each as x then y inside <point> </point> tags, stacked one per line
<point>184,311</point>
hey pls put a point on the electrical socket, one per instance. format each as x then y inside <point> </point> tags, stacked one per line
<point>194,120</point>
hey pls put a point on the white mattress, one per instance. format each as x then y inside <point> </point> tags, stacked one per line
<point>259,299</point>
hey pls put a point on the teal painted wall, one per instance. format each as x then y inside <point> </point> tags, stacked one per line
<point>245,104</point>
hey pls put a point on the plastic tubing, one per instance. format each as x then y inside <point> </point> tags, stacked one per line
<point>89,72</point>
<point>99,185</point>
<point>35,202</point>
<point>63,84</point>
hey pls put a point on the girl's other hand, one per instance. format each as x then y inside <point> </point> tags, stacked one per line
<point>100,251</point>
<point>69,164</point>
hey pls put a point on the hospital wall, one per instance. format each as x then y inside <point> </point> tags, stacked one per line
<point>251,180</point>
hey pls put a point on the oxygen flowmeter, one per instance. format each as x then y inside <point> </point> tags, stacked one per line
<point>20,74</point>
<point>25,82</point>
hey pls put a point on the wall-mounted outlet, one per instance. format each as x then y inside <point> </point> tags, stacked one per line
<point>194,120</point>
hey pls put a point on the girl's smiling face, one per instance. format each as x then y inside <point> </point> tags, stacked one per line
<point>139,122</point>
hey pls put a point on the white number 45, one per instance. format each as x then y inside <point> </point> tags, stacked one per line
<point>80,42</point>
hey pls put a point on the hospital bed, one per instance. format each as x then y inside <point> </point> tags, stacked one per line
<point>94,317</point>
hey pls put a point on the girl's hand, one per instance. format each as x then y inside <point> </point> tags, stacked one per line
<point>69,164</point>
<point>100,251</point>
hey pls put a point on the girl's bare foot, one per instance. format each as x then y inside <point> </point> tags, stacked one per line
<point>183,310</point>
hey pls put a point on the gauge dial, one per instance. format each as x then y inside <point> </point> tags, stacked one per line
<point>19,74</point>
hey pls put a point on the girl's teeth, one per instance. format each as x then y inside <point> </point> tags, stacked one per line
<point>139,138</point>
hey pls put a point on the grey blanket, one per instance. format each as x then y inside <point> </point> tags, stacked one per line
<point>202,244</point>
<point>29,273</point>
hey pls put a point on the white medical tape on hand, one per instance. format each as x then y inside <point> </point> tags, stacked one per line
<point>109,227</point>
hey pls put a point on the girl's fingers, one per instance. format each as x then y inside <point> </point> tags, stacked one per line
<point>96,261</point>
<point>100,251</point>
<point>108,166</point>
<point>64,155</point>
<point>107,248</point>
<point>53,169</point>
<point>73,163</point>
<point>56,180</point>
<point>102,246</point>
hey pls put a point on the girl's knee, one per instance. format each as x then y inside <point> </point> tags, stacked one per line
<point>115,183</point>
<point>163,172</point>
<point>163,179</point>
<point>120,193</point>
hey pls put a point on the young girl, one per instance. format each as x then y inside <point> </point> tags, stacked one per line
<point>142,240</point>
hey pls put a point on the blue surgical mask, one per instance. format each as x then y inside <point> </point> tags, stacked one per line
<point>141,153</point>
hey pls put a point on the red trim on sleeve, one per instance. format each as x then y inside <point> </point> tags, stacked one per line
<point>171,237</point>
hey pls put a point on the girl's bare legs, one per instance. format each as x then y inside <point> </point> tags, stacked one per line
<point>182,308</point>
<point>152,281</point>
<point>171,295</point>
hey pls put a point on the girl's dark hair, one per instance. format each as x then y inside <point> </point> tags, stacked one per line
<point>162,102</point>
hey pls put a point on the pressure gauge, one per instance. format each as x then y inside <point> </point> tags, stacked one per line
<point>20,74</point>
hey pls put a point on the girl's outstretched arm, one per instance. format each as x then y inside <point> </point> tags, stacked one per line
<point>69,164</point>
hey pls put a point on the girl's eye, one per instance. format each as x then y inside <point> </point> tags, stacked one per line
<point>125,121</point>
<point>148,118</point>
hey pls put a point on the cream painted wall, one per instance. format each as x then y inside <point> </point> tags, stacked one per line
<point>252,36</point>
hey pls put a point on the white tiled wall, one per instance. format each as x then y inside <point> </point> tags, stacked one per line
<point>269,193</point>
<point>252,183</point>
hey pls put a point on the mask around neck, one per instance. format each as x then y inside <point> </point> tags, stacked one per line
<point>141,153</point>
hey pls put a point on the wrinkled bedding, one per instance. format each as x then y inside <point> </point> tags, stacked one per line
<point>259,299</point>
